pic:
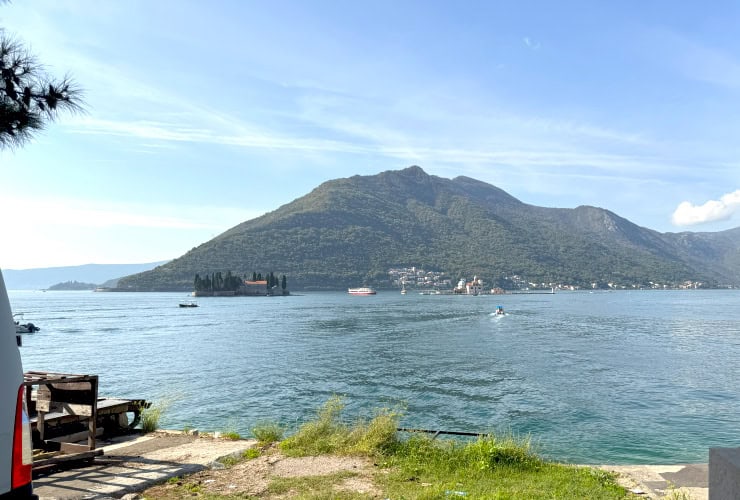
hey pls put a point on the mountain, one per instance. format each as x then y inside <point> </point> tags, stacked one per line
<point>42,278</point>
<point>349,232</point>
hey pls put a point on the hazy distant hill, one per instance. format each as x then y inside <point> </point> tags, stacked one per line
<point>72,285</point>
<point>42,278</point>
<point>348,232</point>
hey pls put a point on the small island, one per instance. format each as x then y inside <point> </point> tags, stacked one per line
<point>220,285</point>
<point>72,285</point>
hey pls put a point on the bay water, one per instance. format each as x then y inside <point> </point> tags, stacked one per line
<point>603,377</point>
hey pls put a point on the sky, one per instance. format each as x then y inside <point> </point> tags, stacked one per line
<point>201,115</point>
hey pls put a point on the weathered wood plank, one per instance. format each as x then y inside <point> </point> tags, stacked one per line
<point>79,410</point>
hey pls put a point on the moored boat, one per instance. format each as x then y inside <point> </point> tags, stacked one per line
<point>365,290</point>
<point>23,327</point>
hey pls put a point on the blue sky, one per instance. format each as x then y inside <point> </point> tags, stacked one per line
<point>201,115</point>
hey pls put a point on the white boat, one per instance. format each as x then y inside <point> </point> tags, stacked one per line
<point>365,290</point>
<point>24,327</point>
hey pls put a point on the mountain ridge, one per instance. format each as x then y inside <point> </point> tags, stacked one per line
<point>349,231</point>
<point>42,278</point>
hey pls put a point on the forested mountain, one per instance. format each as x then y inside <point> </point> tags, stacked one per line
<point>349,232</point>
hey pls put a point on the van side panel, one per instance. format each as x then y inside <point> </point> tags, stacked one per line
<point>11,377</point>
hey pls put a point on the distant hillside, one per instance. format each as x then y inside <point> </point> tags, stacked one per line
<point>42,278</point>
<point>348,232</point>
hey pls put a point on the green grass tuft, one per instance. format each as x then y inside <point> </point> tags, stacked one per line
<point>151,416</point>
<point>232,435</point>
<point>329,434</point>
<point>268,432</point>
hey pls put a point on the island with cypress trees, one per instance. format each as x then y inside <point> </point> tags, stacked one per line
<point>219,285</point>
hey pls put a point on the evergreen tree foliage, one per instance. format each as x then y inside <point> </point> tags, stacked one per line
<point>29,97</point>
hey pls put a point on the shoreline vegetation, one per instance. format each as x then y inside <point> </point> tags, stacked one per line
<point>398,465</point>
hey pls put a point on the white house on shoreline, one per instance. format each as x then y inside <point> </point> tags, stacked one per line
<point>474,287</point>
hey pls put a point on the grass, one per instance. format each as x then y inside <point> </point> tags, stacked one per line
<point>150,416</point>
<point>231,432</point>
<point>231,435</point>
<point>488,468</point>
<point>231,460</point>
<point>268,432</point>
<point>677,494</point>
<point>251,453</point>
<point>419,467</point>
<point>314,487</point>
<point>328,434</point>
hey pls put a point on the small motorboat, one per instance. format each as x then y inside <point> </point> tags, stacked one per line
<point>500,311</point>
<point>24,327</point>
<point>189,303</point>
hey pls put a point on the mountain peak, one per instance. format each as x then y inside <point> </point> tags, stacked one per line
<point>352,230</point>
<point>413,170</point>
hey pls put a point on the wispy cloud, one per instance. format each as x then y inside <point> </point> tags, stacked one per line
<point>409,150</point>
<point>532,44</point>
<point>695,60</point>
<point>78,213</point>
<point>177,133</point>
<point>688,214</point>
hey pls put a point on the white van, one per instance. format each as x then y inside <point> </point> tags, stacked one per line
<point>16,453</point>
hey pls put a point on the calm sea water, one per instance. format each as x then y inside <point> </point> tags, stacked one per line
<point>620,377</point>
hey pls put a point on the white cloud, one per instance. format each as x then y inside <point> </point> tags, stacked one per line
<point>688,214</point>
<point>532,44</point>
<point>64,231</point>
<point>65,212</point>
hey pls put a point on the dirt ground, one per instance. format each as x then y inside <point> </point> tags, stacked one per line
<point>252,476</point>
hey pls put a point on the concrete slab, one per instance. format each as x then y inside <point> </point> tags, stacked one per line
<point>136,463</point>
<point>724,472</point>
<point>659,481</point>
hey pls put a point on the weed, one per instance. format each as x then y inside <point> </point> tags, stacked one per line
<point>232,435</point>
<point>677,493</point>
<point>150,416</point>
<point>230,460</point>
<point>315,487</point>
<point>328,434</point>
<point>268,432</point>
<point>490,451</point>
<point>324,435</point>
